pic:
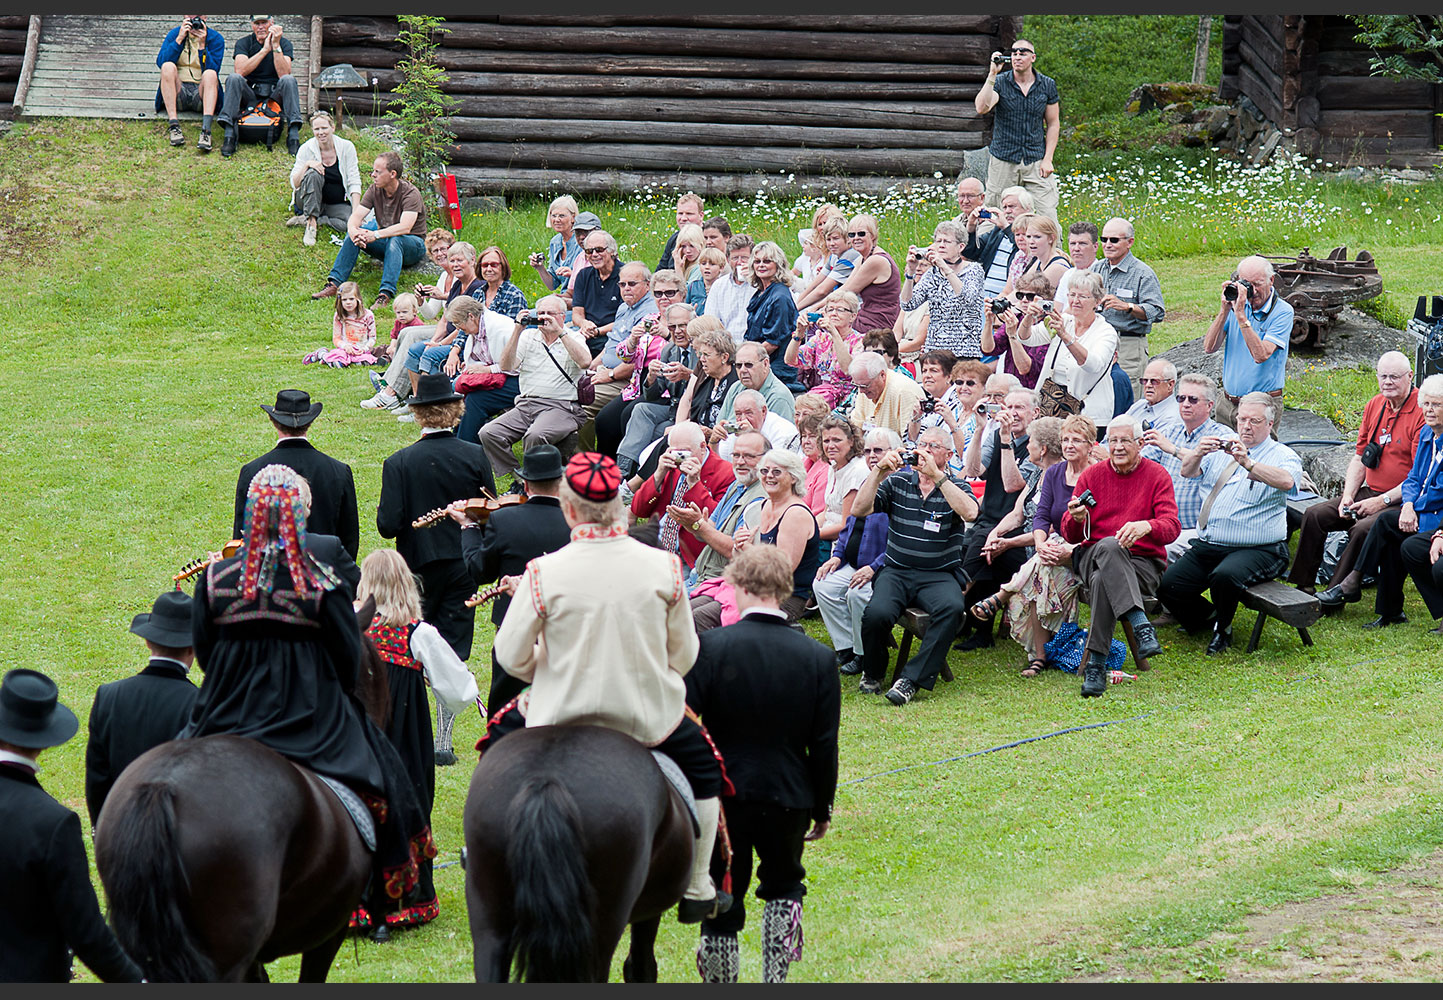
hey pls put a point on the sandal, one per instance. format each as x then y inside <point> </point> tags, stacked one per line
<point>1034,667</point>
<point>988,606</point>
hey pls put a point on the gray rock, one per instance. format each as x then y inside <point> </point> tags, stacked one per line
<point>1217,119</point>
<point>1327,467</point>
<point>1270,143</point>
<point>976,162</point>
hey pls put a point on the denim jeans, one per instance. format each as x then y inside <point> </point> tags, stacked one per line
<point>483,404</point>
<point>394,252</point>
<point>426,359</point>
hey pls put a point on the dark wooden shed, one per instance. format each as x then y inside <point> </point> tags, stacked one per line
<point>1305,73</point>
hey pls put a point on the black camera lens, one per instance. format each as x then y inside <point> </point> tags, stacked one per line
<point>909,458</point>
<point>1231,292</point>
<point>1000,306</point>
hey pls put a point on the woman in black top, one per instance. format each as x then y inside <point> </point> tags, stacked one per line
<point>788,523</point>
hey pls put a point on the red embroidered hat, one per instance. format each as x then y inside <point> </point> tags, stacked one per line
<point>593,476</point>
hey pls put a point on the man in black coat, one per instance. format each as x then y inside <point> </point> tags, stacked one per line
<point>770,698</point>
<point>48,907</point>
<point>333,487</point>
<point>426,476</point>
<point>511,538</point>
<point>130,716</point>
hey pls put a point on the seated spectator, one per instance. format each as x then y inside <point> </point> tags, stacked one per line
<point>785,521</point>
<point>641,351</point>
<point>995,247</point>
<point>1082,244</point>
<point>1084,346</point>
<point>711,265</point>
<point>1121,544</point>
<point>844,582</point>
<point>715,232</point>
<point>876,280</point>
<point>586,224</point>
<point>326,180</point>
<point>704,399</point>
<point>814,460</point>
<point>741,502</point>
<point>750,413</point>
<point>884,342</point>
<point>1001,459</point>
<point>1420,554</point>
<point>1419,512</point>
<point>838,262</point>
<point>1242,534</point>
<point>689,212</point>
<point>731,295</point>
<point>922,566</point>
<point>842,449</point>
<point>687,253</point>
<point>687,472</point>
<point>394,386</point>
<point>443,350</point>
<point>397,241</point>
<point>1037,238</point>
<point>1169,442</point>
<point>353,332</point>
<point>500,294</point>
<point>1158,403</point>
<point>754,371</point>
<point>489,391</point>
<point>1020,337</point>
<point>952,287</point>
<point>970,195</point>
<point>189,61</point>
<point>1388,440</point>
<point>263,70</point>
<point>610,372</point>
<point>969,379</point>
<point>548,359</point>
<point>772,312</point>
<point>407,312</point>
<point>1132,299</point>
<point>661,385</point>
<point>1043,593</point>
<point>821,349</point>
<point>433,296</point>
<point>597,295</point>
<point>885,398</point>
<point>553,265</point>
<point>809,264</point>
<point>942,405</point>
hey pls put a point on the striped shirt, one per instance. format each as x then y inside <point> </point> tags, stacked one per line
<point>1189,492</point>
<point>922,534</point>
<point>1019,129</point>
<point>1246,511</point>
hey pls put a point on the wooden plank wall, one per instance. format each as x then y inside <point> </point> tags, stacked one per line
<point>624,100</point>
<point>1306,73</point>
<point>104,67</point>
<point>12,54</point>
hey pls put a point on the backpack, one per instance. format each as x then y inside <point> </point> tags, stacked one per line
<point>260,123</point>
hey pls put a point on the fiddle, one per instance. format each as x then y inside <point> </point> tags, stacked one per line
<point>479,509</point>
<point>194,567</point>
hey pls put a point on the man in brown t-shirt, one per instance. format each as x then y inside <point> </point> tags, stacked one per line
<point>399,237</point>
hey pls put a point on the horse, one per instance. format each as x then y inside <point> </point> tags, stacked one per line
<point>218,855</point>
<point>572,833</point>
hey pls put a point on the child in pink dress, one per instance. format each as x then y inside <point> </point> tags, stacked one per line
<point>353,332</point>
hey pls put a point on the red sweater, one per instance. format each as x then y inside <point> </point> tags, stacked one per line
<point>716,476</point>
<point>1144,494</point>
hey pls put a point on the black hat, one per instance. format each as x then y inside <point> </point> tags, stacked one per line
<point>540,463</point>
<point>31,715</point>
<point>168,623</point>
<point>433,388</point>
<point>293,408</point>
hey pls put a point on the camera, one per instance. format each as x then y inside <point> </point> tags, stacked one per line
<point>1231,292</point>
<point>929,403</point>
<point>982,213</point>
<point>1046,306</point>
<point>1000,306</point>
<point>998,59</point>
<point>989,409</point>
<point>917,253</point>
<point>539,257</point>
<point>1086,499</point>
<point>1348,511</point>
<point>814,317</point>
<point>197,23</point>
<point>679,455</point>
<point>909,457</point>
<point>1146,426</point>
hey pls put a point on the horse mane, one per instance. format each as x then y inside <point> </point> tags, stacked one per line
<point>373,688</point>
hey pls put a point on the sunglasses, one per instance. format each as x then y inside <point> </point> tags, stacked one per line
<point>747,364</point>
<point>1190,399</point>
<point>630,284</point>
<point>1026,296</point>
<point>666,291</point>
<point>490,263</point>
<point>1114,239</point>
<point>1154,381</point>
<point>1021,52</point>
<point>857,236</point>
<point>964,381</point>
<point>591,250</point>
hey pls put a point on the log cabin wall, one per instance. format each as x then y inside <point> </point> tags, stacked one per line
<point>13,28</point>
<point>1305,73</point>
<point>714,102</point>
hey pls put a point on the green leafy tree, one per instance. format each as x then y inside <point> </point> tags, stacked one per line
<point>1405,35</point>
<point>421,108</point>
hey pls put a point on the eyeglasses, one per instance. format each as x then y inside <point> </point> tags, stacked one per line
<point>676,326</point>
<point>1387,377</point>
<point>770,473</point>
<point>750,456</point>
<point>1190,399</point>
<point>964,381</point>
<point>1154,381</point>
<point>1022,52</point>
<point>630,284</point>
<point>747,364</point>
<point>490,263</point>
<point>1114,239</point>
<point>874,451</point>
<point>591,250</point>
<point>857,236</point>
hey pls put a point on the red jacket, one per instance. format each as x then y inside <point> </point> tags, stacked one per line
<point>1144,494</point>
<point>716,476</point>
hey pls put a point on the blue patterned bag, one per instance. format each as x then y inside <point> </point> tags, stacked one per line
<point>1066,649</point>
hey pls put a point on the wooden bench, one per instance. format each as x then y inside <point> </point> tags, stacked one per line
<point>914,622</point>
<point>1287,604</point>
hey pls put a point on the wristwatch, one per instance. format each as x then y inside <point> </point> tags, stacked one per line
<point>1387,499</point>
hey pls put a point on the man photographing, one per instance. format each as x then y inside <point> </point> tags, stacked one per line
<point>1025,131</point>
<point>189,61</point>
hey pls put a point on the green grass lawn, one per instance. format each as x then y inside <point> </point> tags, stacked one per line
<point>162,302</point>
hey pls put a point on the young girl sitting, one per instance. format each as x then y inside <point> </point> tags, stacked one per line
<point>415,654</point>
<point>407,310</point>
<point>353,333</point>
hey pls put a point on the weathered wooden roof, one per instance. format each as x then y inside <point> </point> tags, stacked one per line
<point>103,66</point>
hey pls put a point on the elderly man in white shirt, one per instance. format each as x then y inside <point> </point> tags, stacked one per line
<point>729,295</point>
<point>1159,380</point>
<point>751,414</point>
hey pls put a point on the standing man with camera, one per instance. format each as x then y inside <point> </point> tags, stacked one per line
<point>1253,327</point>
<point>189,61</point>
<point>1387,443</point>
<point>1242,530</point>
<point>262,70</point>
<point>1025,130</point>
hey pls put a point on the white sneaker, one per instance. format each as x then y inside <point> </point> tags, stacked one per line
<point>379,402</point>
<point>406,418</point>
<point>310,238</point>
<point>296,220</point>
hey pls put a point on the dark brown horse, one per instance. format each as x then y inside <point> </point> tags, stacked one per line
<point>572,833</point>
<point>219,855</point>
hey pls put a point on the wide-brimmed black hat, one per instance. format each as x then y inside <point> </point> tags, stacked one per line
<point>433,388</point>
<point>168,623</point>
<point>541,463</point>
<point>31,715</point>
<point>293,408</point>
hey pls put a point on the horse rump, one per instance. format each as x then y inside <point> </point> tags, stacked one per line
<point>138,855</point>
<point>553,900</point>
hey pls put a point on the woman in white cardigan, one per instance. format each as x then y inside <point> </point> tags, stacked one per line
<point>1080,358</point>
<point>326,181</point>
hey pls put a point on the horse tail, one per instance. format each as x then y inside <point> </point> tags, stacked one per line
<point>140,858</point>
<point>553,899</point>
